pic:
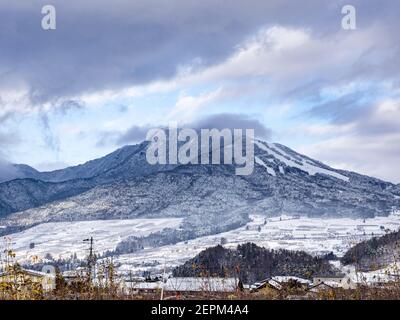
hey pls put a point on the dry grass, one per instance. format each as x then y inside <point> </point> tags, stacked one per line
<point>81,289</point>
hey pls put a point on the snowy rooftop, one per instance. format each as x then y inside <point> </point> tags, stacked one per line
<point>191,284</point>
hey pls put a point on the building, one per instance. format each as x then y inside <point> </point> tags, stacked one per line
<point>344,281</point>
<point>23,277</point>
<point>185,285</point>
<point>321,287</point>
<point>209,284</point>
<point>281,282</point>
<point>71,276</point>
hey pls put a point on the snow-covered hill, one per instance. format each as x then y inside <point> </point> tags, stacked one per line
<point>63,239</point>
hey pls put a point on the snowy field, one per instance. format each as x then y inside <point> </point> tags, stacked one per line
<point>63,239</point>
<point>316,236</point>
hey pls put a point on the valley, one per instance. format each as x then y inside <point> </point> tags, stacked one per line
<point>61,240</point>
<point>148,218</point>
<point>314,236</point>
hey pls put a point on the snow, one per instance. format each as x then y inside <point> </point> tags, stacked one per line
<point>387,274</point>
<point>306,165</point>
<point>288,278</point>
<point>201,284</point>
<point>315,236</point>
<point>63,239</point>
<point>210,284</point>
<point>269,169</point>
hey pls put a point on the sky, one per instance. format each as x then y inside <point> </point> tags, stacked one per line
<point>112,70</point>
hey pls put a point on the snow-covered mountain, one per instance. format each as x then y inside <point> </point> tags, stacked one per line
<point>123,185</point>
<point>37,188</point>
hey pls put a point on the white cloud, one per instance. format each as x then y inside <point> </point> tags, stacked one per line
<point>290,57</point>
<point>321,129</point>
<point>369,143</point>
<point>187,107</point>
<point>284,57</point>
<point>374,157</point>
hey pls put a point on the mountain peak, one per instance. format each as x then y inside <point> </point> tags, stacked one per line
<point>124,184</point>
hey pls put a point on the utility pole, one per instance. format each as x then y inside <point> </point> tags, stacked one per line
<point>90,258</point>
<point>163,279</point>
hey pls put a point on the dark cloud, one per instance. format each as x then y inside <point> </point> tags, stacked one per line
<point>233,121</point>
<point>50,139</point>
<point>69,105</point>
<point>344,109</point>
<point>99,45</point>
<point>133,134</point>
<point>7,171</point>
<point>367,116</point>
<point>217,121</point>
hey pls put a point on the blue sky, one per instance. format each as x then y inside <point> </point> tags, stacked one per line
<point>107,74</point>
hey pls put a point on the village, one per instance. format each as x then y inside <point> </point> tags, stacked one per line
<point>104,282</point>
<point>148,273</point>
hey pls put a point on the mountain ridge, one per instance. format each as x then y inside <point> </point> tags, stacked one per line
<point>125,185</point>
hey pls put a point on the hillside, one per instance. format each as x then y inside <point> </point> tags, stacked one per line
<point>374,253</point>
<point>252,263</point>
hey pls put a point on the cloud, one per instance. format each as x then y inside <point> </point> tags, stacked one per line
<point>51,165</point>
<point>342,109</point>
<point>133,134</point>
<point>50,139</point>
<point>300,62</point>
<point>288,53</point>
<point>7,171</point>
<point>105,47</point>
<point>216,121</point>
<point>68,105</point>
<point>378,157</point>
<point>233,121</point>
<point>187,107</point>
<point>101,47</point>
<point>367,142</point>
<point>8,139</point>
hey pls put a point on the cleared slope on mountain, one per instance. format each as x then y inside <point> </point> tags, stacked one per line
<point>301,185</point>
